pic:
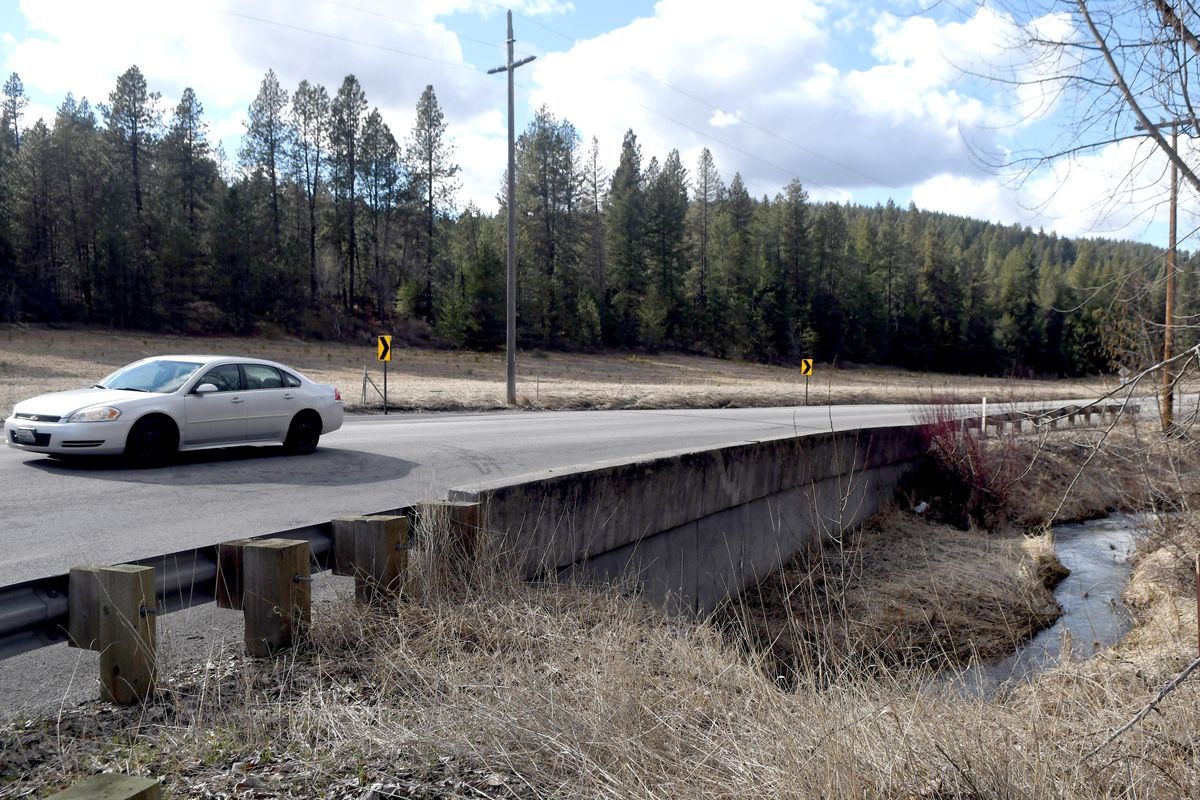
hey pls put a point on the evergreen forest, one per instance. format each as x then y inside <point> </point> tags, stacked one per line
<point>123,213</point>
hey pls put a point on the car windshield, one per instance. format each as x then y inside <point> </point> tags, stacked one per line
<point>160,375</point>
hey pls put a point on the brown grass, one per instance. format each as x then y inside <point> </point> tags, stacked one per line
<point>492,687</point>
<point>904,592</point>
<point>39,359</point>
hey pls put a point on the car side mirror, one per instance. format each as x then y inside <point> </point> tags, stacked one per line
<point>205,388</point>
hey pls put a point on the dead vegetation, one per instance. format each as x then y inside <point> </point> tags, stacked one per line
<point>492,687</point>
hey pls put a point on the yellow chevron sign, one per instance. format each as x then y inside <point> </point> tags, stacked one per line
<point>385,348</point>
<point>806,367</point>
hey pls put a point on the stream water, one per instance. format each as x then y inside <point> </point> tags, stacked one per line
<point>1097,552</point>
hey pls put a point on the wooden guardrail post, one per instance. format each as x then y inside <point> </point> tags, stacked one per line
<point>374,551</point>
<point>112,786</point>
<point>113,610</point>
<point>464,518</point>
<point>229,573</point>
<point>276,594</point>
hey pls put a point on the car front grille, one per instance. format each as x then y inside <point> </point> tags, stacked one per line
<point>83,443</point>
<point>38,417</point>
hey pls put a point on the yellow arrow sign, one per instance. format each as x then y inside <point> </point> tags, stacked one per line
<point>385,348</point>
<point>806,367</point>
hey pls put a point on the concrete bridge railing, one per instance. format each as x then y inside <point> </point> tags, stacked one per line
<point>692,527</point>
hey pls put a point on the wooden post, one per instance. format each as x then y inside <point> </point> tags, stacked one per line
<point>464,525</point>
<point>374,551</point>
<point>127,633</point>
<point>112,786</point>
<point>276,594</point>
<point>229,573</point>
<point>112,610</point>
<point>83,603</point>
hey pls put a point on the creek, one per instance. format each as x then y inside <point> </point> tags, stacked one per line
<point>1098,554</point>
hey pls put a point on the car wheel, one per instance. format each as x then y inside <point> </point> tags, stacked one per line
<point>150,443</point>
<point>303,434</point>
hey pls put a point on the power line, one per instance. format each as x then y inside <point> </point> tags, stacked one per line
<point>735,148</point>
<point>694,98</point>
<point>348,40</point>
<point>381,15</point>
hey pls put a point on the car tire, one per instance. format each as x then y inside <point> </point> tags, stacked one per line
<point>150,443</point>
<point>303,434</point>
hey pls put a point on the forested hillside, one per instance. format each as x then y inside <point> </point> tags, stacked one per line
<point>123,213</point>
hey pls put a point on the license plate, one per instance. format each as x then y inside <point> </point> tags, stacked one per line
<point>26,435</point>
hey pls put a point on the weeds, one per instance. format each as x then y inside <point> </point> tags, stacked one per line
<point>488,686</point>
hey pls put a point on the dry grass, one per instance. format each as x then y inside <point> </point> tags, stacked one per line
<point>904,592</point>
<point>492,687</point>
<point>40,359</point>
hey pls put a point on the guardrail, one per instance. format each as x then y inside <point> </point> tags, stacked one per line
<point>35,613</point>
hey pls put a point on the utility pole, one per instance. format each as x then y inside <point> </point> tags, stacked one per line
<point>1168,377</point>
<point>1168,385</point>
<point>511,336</point>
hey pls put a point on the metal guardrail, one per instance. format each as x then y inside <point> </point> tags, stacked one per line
<point>34,614</point>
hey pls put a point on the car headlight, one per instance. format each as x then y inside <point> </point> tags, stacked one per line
<point>101,414</point>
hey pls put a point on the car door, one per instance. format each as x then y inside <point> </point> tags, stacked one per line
<point>270,405</point>
<point>216,417</point>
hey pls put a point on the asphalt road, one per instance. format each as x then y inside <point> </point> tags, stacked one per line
<point>56,515</point>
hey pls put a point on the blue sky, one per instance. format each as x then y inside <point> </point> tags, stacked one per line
<point>860,101</point>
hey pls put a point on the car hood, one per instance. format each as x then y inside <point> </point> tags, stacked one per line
<point>60,404</point>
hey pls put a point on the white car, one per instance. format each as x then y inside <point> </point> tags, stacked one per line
<point>152,408</point>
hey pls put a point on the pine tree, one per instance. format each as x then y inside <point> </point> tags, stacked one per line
<point>133,126</point>
<point>310,123</point>
<point>939,303</point>
<point>626,215</point>
<point>190,178</point>
<point>595,198</point>
<point>346,120</point>
<point>379,175</point>
<point>549,205</point>
<point>434,175</point>
<point>707,193</point>
<point>15,103</point>
<point>1017,332</point>
<point>667,201</point>
<point>795,263</point>
<point>266,144</point>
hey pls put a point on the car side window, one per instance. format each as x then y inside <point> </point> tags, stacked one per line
<point>289,380</point>
<point>225,377</point>
<point>260,376</point>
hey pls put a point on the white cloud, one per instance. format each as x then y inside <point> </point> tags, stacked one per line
<point>81,46</point>
<point>675,77</point>
<point>1118,191</point>
<point>722,119</point>
<point>826,90</point>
